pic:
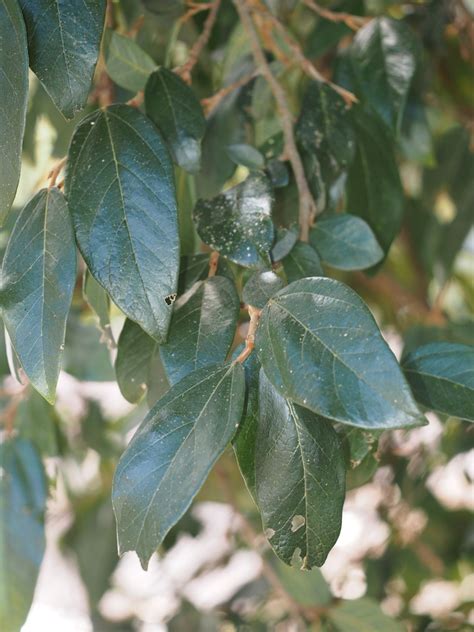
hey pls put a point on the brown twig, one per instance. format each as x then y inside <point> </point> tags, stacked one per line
<point>137,100</point>
<point>307,206</point>
<point>210,103</point>
<point>185,70</point>
<point>307,66</point>
<point>254,314</point>
<point>354,22</point>
<point>55,171</point>
<point>213,263</point>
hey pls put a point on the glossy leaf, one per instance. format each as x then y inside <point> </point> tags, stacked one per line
<point>362,614</point>
<point>238,223</point>
<point>194,268</point>
<point>246,155</point>
<point>383,58</point>
<point>374,190</point>
<point>300,478</point>
<point>202,328</point>
<point>345,242</point>
<point>172,453</point>
<point>63,43</point>
<point>286,238</point>
<point>175,109</point>
<point>320,347</point>
<point>38,277</point>
<point>324,129</point>
<point>22,539</point>
<point>302,261</point>
<point>120,189</point>
<point>261,287</point>
<point>128,65</point>
<point>133,366</point>
<point>13,104</point>
<point>441,376</point>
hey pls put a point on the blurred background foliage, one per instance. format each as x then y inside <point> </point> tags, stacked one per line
<point>404,558</point>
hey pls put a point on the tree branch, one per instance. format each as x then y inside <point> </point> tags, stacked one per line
<point>254,314</point>
<point>354,22</point>
<point>210,103</point>
<point>185,70</point>
<point>307,206</point>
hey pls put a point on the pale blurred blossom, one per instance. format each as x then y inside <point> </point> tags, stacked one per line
<point>453,484</point>
<point>437,598</point>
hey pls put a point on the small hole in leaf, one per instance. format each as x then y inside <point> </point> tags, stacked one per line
<point>170,299</point>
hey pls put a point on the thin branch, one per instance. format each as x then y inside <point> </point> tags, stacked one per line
<point>254,314</point>
<point>307,206</point>
<point>55,171</point>
<point>213,263</point>
<point>185,70</point>
<point>210,103</point>
<point>354,22</point>
<point>306,65</point>
<point>137,100</point>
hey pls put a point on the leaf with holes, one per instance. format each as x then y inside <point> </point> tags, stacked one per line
<point>120,189</point>
<point>299,478</point>
<point>172,453</point>
<point>320,347</point>
<point>63,43</point>
<point>38,277</point>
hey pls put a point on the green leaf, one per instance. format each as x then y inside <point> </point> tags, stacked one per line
<point>175,109</point>
<point>302,261</point>
<point>172,453</point>
<point>286,238</point>
<point>119,184</point>
<point>245,155</point>
<point>38,278</point>
<point>261,287</point>
<point>324,129</point>
<point>128,65</point>
<point>383,58</point>
<point>202,328</point>
<point>22,540</point>
<point>63,43</point>
<point>135,365</point>
<point>238,223</point>
<point>36,421</point>
<point>362,615</point>
<point>374,190</point>
<point>320,347</point>
<point>194,268</point>
<point>306,588</point>
<point>345,242</point>
<point>99,301</point>
<point>441,376</point>
<point>14,91</point>
<point>300,478</point>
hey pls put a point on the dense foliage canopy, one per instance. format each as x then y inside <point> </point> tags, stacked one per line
<point>247,199</point>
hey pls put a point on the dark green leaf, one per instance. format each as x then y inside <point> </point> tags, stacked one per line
<point>121,194</point>
<point>63,42</point>
<point>22,540</point>
<point>202,328</point>
<point>261,287</point>
<point>302,261</point>
<point>374,190</point>
<point>38,277</point>
<point>99,302</point>
<point>345,242</point>
<point>362,614</point>
<point>172,453</point>
<point>286,238</point>
<point>383,58</point>
<point>320,346</point>
<point>324,129</point>
<point>175,109</point>
<point>238,223</point>
<point>441,376</point>
<point>14,100</point>
<point>36,421</point>
<point>194,268</point>
<point>246,155</point>
<point>300,478</point>
<point>126,62</point>
<point>135,353</point>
